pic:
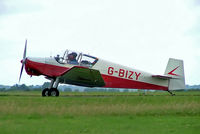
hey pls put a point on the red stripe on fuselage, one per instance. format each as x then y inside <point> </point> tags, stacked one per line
<point>115,82</point>
<point>37,68</point>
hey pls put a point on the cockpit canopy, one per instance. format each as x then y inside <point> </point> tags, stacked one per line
<point>76,58</point>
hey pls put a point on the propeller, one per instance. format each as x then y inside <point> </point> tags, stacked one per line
<point>23,61</point>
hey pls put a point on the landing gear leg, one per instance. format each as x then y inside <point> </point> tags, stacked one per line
<point>52,90</point>
<point>172,94</point>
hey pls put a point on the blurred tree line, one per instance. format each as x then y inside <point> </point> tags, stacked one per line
<point>70,88</point>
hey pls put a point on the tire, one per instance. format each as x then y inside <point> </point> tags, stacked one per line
<point>45,92</point>
<point>53,92</point>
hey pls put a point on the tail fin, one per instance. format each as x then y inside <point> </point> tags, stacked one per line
<point>175,69</point>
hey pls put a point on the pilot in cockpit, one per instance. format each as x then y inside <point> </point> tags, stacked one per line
<point>72,58</point>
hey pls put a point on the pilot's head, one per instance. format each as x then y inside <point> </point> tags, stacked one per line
<point>72,56</point>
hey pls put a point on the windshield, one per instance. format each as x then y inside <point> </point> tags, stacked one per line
<point>76,58</point>
<point>87,60</point>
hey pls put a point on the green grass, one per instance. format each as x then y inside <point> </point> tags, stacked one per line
<point>108,113</point>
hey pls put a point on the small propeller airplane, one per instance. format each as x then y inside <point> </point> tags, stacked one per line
<point>89,71</point>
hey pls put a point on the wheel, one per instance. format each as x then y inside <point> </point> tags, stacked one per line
<point>53,92</point>
<point>45,92</point>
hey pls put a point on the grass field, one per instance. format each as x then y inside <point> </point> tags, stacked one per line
<point>97,113</point>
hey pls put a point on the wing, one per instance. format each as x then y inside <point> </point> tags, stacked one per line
<point>82,76</point>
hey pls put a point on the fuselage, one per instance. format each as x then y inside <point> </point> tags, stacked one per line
<point>114,75</point>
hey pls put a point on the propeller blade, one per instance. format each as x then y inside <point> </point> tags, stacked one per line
<point>24,56</point>
<point>23,61</point>
<point>21,72</point>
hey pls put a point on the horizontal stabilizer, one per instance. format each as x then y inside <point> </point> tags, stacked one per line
<point>165,77</point>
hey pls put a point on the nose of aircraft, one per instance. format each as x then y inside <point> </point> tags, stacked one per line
<point>44,66</point>
<point>39,66</point>
<point>34,66</point>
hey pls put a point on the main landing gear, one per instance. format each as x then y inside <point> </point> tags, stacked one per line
<point>52,90</point>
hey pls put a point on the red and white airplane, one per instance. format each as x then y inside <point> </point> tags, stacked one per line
<point>89,71</point>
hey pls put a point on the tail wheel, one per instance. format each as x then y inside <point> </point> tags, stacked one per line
<point>53,92</point>
<point>45,92</point>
